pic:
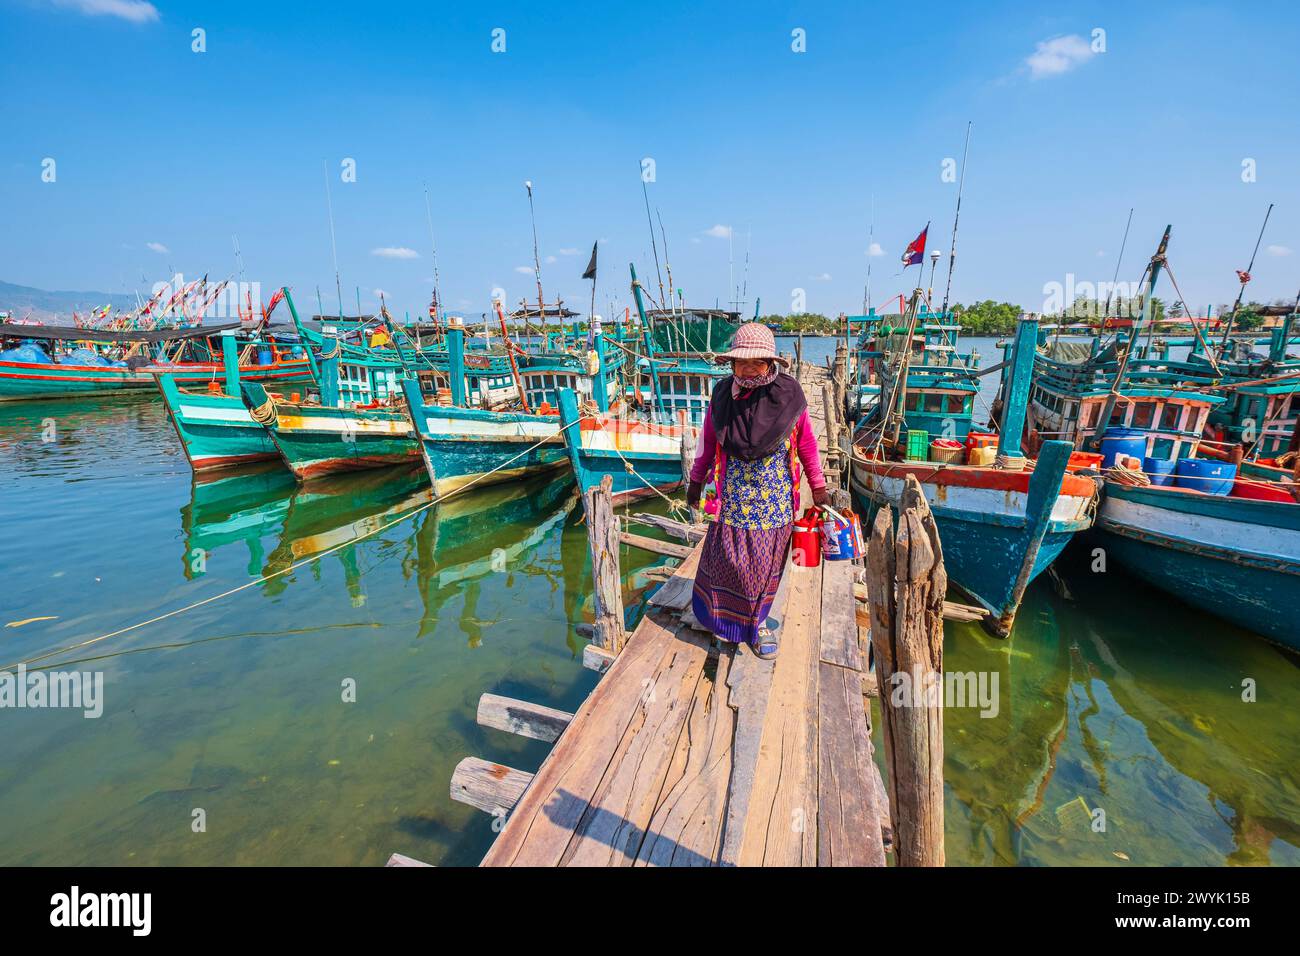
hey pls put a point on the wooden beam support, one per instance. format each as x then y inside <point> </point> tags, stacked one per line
<point>689,533</point>
<point>596,658</point>
<point>398,859</point>
<point>491,787</point>
<point>520,717</point>
<point>654,545</point>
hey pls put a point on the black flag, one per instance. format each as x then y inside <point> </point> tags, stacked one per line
<point>591,266</point>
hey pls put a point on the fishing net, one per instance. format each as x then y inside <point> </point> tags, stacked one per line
<point>84,356</point>
<point>1072,353</point>
<point>693,335</point>
<point>28,352</point>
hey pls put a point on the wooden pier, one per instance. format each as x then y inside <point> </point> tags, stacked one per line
<point>688,753</point>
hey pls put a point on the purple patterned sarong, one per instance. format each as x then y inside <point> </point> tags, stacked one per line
<point>739,573</point>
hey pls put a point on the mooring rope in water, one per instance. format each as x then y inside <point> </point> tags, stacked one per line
<point>297,564</point>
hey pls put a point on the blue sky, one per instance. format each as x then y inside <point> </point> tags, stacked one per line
<point>163,154</point>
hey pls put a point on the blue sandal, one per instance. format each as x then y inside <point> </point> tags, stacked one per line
<point>767,645</point>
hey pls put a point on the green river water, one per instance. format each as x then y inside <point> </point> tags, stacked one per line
<point>1110,693</point>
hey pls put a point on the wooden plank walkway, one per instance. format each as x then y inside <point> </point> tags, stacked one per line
<point>689,755</point>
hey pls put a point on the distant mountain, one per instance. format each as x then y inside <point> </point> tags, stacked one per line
<point>23,301</point>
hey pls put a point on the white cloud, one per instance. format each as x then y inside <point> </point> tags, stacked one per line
<point>156,247</point>
<point>1101,253</point>
<point>524,270</point>
<point>719,231</point>
<point>1278,250</point>
<point>568,252</point>
<point>549,259</point>
<point>1058,55</point>
<point>875,249</point>
<point>823,277</point>
<point>395,252</point>
<point>136,11</point>
<point>695,239</point>
<point>381,294</point>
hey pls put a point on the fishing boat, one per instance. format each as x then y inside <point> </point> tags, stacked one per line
<point>45,362</point>
<point>215,427</point>
<point>1235,557</point>
<point>357,421</point>
<point>481,446</point>
<point>641,450</point>
<point>1003,519</point>
<point>1218,531</point>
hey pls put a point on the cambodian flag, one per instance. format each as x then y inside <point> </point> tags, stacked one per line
<point>914,254</point>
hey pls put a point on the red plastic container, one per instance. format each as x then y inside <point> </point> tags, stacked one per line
<point>1259,491</point>
<point>1083,459</point>
<point>806,542</point>
<point>980,439</point>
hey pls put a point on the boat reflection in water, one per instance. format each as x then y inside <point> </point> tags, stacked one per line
<point>451,545</point>
<point>1124,741</point>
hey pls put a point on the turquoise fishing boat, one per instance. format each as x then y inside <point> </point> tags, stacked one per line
<point>48,362</point>
<point>358,421</point>
<point>1234,557</point>
<point>642,454</point>
<point>1216,530</point>
<point>480,446</point>
<point>1003,519</point>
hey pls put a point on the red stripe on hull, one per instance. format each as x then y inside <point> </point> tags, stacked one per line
<point>334,466</point>
<point>228,461</point>
<point>970,476</point>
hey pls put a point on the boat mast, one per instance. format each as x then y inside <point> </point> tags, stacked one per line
<point>437,298</point>
<point>329,205</point>
<point>537,269</point>
<point>1245,278</point>
<point>1153,272</point>
<point>952,254</point>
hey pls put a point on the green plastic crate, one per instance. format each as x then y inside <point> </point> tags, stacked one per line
<point>918,445</point>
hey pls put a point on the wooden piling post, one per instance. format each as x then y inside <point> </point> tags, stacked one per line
<point>688,455</point>
<point>602,539</point>
<point>833,458</point>
<point>906,583</point>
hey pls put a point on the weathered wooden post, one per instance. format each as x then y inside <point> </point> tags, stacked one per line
<point>906,583</point>
<point>602,538</point>
<point>833,456</point>
<point>688,455</point>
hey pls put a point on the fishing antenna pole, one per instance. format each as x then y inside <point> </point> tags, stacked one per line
<point>871,242</point>
<point>744,287</point>
<point>428,216</point>
<point>952,253</point>
<point>329,205</point>
<point>645,194</point>
<point>1123,243</point>
<point>1227,329</point>
<point>537,266</point>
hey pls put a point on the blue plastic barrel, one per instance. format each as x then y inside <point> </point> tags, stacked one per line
<point>1203,474</point>
<point>1127,445</point>
<point>1159,470</point>
<point>264,355</point>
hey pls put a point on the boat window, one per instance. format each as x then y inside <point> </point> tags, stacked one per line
<point>1169,414</point>
<point>912,402</point>
<point>934,403</point>
<point>1144,414</point>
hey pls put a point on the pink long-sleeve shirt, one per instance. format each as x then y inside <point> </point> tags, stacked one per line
<point>805,443</point>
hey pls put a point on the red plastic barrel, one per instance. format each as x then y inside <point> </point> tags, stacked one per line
<point>806,543</point>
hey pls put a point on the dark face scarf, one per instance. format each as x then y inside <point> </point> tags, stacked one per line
<point>756,422</point>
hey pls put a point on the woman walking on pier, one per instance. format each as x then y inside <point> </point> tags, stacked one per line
<point>756,435</point>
